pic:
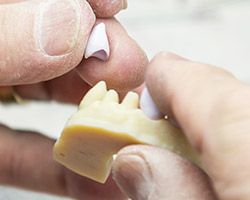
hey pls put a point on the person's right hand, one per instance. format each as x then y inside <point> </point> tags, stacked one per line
<point>212,108</point>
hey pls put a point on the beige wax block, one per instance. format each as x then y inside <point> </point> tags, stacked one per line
<point>102,126</point>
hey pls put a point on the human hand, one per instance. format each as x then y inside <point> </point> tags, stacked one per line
<point>212,108</point>
<point>42,40</point>
<point>56,70</point>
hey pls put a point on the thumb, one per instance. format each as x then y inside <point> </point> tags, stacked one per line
<point>143,176</point>
<point>42,39</point>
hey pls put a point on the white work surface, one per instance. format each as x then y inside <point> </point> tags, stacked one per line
<point>211,31</point>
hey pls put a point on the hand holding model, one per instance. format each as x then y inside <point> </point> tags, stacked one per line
<point>42,46</point>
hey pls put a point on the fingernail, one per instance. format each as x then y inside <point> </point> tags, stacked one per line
<point>124,4</point>
<point>59,27</point>
<point>133,176</point>
<point>98,44</point>
<point>148,106</point>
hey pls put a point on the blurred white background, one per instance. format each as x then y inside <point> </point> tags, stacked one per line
<point>212,31</point>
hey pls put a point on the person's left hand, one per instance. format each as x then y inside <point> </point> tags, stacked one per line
<point>25,157</point>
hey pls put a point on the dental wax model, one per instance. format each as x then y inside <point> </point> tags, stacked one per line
<point>102,126</point>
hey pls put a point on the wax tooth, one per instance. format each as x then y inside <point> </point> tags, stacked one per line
<point>97,93</point>
<point>131,100</point>
<point>148,106</point>
<point>98,44</point>
<point>111,96</point>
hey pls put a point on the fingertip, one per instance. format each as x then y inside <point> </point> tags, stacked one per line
<point>161,62</point>
<point>107,8</point>
<point>126,66</point>
<point>160,68</point>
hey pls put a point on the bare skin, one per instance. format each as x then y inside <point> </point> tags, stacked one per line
<point>52,39</point>
<point>212,108</point>
<point>39,70</point>
<point>209,104</point>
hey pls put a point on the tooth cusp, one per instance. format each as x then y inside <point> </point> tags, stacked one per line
<point>95,94</point>
<point>111,96</point>
<point>131,100</point>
